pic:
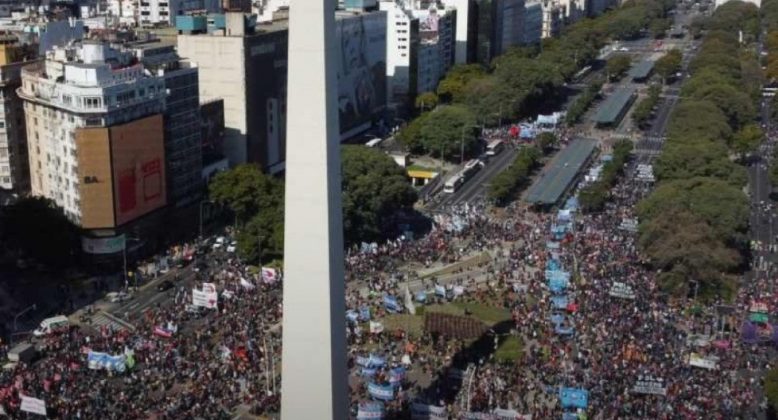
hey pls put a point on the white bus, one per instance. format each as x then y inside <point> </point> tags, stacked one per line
<point>452,185</point>
<point>375,142</point>
<point>494,148</point>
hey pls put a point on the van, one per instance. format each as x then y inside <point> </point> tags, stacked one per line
<point>50,325</point>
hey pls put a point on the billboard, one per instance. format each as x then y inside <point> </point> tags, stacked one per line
<point>361,70</point>
<point>138,168</point>
<point>95,185</point>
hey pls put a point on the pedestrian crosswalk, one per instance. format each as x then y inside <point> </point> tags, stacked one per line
<point>101,319</point>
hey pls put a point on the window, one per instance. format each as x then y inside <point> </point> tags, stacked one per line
<point>92,102</point>
<point>67,99</point>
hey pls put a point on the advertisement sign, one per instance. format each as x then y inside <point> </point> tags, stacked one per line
<point>33,405</point>
<point>138,163</point>
<point>97,246</point>
<point>361,70</point>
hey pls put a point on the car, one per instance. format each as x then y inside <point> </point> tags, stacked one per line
<point>165,285</point>
<point>116,297</point>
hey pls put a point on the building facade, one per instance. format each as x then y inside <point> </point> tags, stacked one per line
<point>164,12</point>
<point>181,119</point>
<point>14,166</point>
<point>95,135</point>
<point>402,50</point>
<point>533,22</point>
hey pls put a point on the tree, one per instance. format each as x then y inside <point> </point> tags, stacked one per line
<point>375,190</point>
<point>668,65</point>
<point>616,67</point>
<point>692,158</point>
<point>38,228</point>
<point>449,131</point>
<point>736,105</point>
<point>701,120</point>
<point>747,139</point>
<point>410,135</point>
<point>452,87</point>
<point>547,141</point>
<point>508,183</point>
<point>427,101</point>
<point>771,386</point>
<point>246,191</point>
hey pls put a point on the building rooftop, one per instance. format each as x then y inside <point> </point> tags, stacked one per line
<point>641,70</point>
<point>558,175</point>
<point>610,110</point>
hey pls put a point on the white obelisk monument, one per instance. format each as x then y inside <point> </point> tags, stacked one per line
<point>314,374</point>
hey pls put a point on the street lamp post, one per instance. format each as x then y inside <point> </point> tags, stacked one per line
<point>28,309</point>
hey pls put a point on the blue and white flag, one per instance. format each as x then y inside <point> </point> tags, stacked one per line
<point>396,376</point>
<point>564,330</point>
<point>364,314</point>
<point>352,315</point>
<point>370,410</point>
<point>559,302</point>
<point>368,372</point>
<point>573,397</point>
<point>391,304</point>
<point>381,392</point>
<point>97,360</point>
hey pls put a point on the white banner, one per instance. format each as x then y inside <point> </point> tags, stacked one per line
<point>621,290</point>
<point>33,405</point>
<point>710,362</point>
<point>501,414</point>
<point>426,411</point>
<point>649,385</point>
<point>209,288</point>
<point>205,299</point>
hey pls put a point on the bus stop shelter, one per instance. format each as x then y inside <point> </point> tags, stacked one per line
<point>559,175</point>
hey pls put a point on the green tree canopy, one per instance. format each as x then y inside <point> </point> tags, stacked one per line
<point>375,189</point>
<point>40,230</point>
<point>669,64</point>
<point>447,130</point>
<point>426,101</point>
<point>618,65</point>
<point>452,87</point>
<point>747,139</point>
<point>245,190</point>
<point>699,119</point>
<point>698,158</point>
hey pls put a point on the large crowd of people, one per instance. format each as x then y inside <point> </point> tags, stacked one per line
<point>628,352</point>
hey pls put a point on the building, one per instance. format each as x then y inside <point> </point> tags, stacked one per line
<point>244,64</point>
<point>508,25</point>
<point>181,118</point>
<point>14,165</point>
<point>125,10</point>
<point>95,134</point>
<point>436,46</point>
<point>420,48</point>
<point>466,29</point>
<point>164,12</point>
<point>533,22</point>
<point>553,19</point>
<point>254,92</point>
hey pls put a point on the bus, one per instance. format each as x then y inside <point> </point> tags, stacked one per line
<point>453,184</point>
<point>494,148</point>
<point>375,142</point>
<point>471,167</point>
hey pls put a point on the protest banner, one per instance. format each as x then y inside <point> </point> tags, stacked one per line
<point>503,414</point>
<point>98,360</point>
<point>649,385</point>
<point>428,412</point>
<point>621,290</point>
<point>705,362</point>
<point>209,288</point>
<point>370,410</point>
<point>391,304</point>
<point>559,302</point>
<point>760,307</point>
<point>269,275</point>
<point>33,405</point>
<point>205,299</point>
<point>573,397</point>
<point>364,314</point>
<point>381,392</point>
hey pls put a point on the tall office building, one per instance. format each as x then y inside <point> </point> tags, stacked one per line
<point>164,12</point>
<point>181,117</point>
<point>14,165</point>
<point>244,63</point>
<point>95,136</point>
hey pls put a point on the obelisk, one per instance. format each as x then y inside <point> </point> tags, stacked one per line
<point>314,374</point>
